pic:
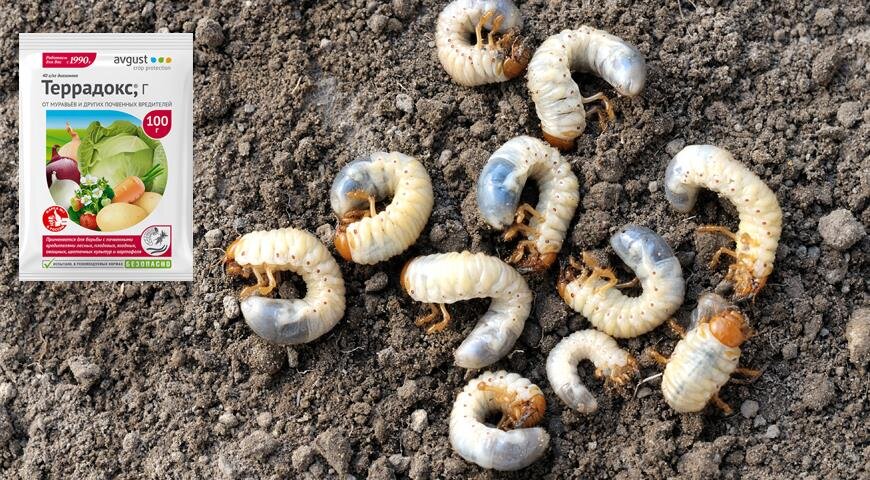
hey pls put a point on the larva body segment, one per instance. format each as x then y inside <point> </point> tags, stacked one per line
<point>452,277</point>
<point>366,236</point>
<point>515,444</point>
<point>611,362</point>
<point>557,97</point>
<point>760,226</point>
<point>608,309</point>
<point>486,61</point>
<point>499,189</point>
<point>704,360</point>
<point>284,321</point>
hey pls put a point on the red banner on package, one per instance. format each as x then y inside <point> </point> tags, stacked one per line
<point>97,246</point>
<point>68,59</point>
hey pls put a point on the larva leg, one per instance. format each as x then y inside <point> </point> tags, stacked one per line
<point>516,228</point>
<point>717,256</point>
<point>262,283</point>
<point>523,247</point>
<point>657,357</point>
<point>721,404</point>
<point>478,30</point>
<point>444,323</point>
<point>273,282</point>
<point>629,284</point>
<point>524,209</point>
<point>750,373</point>
<point>361,195</point>
<point>605,273</point>
<point>677,328</point>
<point>496,24</point>
<point>430,317</point>
<point>603,117</point>
<point>717,230</point>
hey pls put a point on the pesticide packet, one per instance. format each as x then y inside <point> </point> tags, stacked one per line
<point>105,156</point>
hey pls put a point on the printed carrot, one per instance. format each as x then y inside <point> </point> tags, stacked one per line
<point>132,187</point>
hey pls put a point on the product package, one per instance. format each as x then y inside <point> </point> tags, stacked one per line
<point>106,156</point>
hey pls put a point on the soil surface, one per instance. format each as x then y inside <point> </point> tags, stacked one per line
<point>159,380</point>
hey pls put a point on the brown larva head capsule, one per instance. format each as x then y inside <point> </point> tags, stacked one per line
<point>730,328</point>
<point>233,268</point>
<point>560,143</point>
<point>516,54</point>
<point>403,279</point>
<point>745,283</point>
<point>341,243</point>
<point>516,413</point>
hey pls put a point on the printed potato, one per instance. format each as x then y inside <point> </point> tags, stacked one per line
<point>148,201</point>
<point>118,216</point>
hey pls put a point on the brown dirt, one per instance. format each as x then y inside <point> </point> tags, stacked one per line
<point>155,381</point>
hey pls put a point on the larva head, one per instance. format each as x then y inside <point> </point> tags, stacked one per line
<point>403,277</point>
<point>341,244</point>
<point>730,328</point>
<point>618,375</point>
<point>517,56</point>
<point>233,267</point>
<point>560,143</point>
<point>535,262</point>
<point>745,283</point>
<point>516,413</point>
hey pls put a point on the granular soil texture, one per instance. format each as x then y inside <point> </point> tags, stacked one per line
<point>151,380</point>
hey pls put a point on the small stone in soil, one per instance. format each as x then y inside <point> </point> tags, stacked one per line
<point>858,336</point>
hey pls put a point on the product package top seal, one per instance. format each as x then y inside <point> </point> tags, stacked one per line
<point>106,156</point>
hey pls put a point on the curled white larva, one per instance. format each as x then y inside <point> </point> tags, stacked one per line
<point>608,309</point>
<point>366,236</point>
<point>499,188</point>
<point>557,97</point>
<point>522,406</point>
<point>703,361</point>
<point>611,362</point>
<point>267,253</point>
<point>451,277</point>
<point>760,226</point>
<point>494,58</point>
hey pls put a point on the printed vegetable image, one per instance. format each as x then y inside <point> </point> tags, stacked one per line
<point>62,190</point>
<point>63,168</point>
<point>71,148</point>
<point>118,216</point>
<point>92,195</point>
<point>120,151</point>
<point>148,201</point>
<point>133,187</point>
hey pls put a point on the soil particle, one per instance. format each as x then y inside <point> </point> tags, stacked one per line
<point>264,357</point>
<point>302,457</point>
<point>85,372</point>
<point>334,447</point>
<point>749,408</point>
<point>7,393</point>
<point>771,432</point>
<point>700,462</point>
<point>840,230</point>
<point>419,421</point>
<point>258,445</point>
<point>849,114</point>
<point>603,196</point>
<point>419,468</point>
<point>377,283</point>
<point>381,469</point>
<point>819,392</point>
<point>857,334</point>
<point>214,238</point>
<point>209,33</point>
<point>231,307</point>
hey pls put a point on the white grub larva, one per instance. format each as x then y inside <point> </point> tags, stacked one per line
<point>557,97</point>
<point>284,321</point>
<point>612,363</point>
<point>489,59</point>
<point>451,277</point>
<point>365,236</point>
<point>608,309</point>
<point>760,226</point>
<point>515,444</point>
<point>706,357</point>
<point>499,188</point>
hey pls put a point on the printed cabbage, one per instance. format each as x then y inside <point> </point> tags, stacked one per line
<point>120,151</point>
